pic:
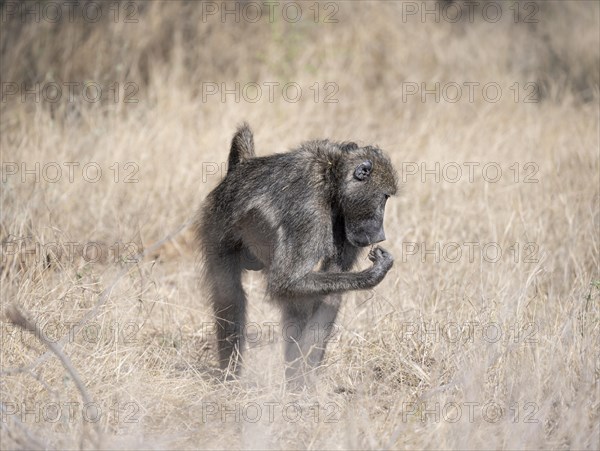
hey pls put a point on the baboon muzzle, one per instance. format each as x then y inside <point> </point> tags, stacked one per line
<point>379,237</point>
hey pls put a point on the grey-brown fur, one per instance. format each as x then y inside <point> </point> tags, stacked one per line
<point>287,214</point>
<point>242,147</point>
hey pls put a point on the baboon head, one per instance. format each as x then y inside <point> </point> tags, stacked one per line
<point>367,181</point>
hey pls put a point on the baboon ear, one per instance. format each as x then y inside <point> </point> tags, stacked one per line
<point>363,170</point>
<point>348,146</point>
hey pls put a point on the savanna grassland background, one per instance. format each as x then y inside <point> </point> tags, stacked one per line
<point>459,347</point>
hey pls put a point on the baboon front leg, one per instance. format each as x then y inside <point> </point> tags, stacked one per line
<point>306,333</point>
<point>324,283</point>
<point>223,275</point>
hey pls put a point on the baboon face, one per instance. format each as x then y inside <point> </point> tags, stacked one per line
<point>369,180</point>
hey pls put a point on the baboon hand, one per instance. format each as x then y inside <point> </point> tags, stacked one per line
<point>381,259</point>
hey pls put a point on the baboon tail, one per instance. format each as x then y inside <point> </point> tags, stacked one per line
<point>242,146</point>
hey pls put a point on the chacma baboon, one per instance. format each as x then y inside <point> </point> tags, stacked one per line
<point>302,217</point>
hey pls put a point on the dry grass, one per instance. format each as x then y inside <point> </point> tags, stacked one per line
<point>152,369</point>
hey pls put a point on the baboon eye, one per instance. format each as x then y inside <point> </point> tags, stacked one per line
<point>363,170</point>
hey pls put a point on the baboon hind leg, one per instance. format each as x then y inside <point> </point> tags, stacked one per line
<point>223,274</point>
<point>306,334</point>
